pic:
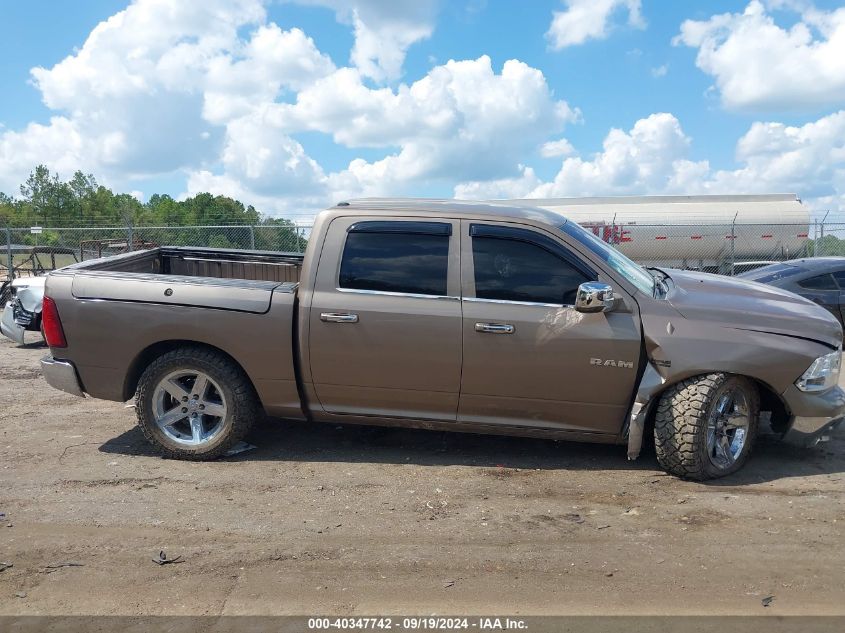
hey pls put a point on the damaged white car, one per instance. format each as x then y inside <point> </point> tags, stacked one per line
<point>23,311</point>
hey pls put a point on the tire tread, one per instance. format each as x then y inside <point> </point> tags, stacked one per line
<point>244,406</point>
<point>680,426</point>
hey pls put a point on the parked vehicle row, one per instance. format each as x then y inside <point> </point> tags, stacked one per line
<point>448,315</point>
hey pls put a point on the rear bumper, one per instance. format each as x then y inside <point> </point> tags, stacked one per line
<point>61,375</point>
<point>815,416</point>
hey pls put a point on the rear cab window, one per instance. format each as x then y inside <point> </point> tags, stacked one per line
<point>396,257</point>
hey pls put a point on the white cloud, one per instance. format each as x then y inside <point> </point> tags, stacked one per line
<point>584,20</point>
<point>131,97</point>
<point>653,158</point>
<point>148,44</point>
<point>216,92</point>
<point>268,161</point>
<point>465,98</point>
<point>383,31</point>
<point>640,159</point>
<point>758,64</point>
<point>272,60</point>
<point>809,159</point>
<point>462,120</point>
<point>502,188</point>
<point>560,147</point>
<point>660,71</point>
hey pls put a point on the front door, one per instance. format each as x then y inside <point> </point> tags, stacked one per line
<point>529,358</point>
<point>385,319</point>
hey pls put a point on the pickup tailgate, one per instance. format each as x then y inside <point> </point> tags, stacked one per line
<point>202,292</point>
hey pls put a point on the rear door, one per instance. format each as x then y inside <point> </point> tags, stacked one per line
<point>529,358</point>
<point>385,321</point>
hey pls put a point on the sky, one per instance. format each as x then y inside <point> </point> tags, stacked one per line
<point>293,105</point>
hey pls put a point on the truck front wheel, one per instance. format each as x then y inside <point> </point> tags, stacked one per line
<point>705,426</point>
<point>194,403</point>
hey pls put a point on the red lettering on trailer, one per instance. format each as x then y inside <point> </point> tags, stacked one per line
<point>695,237</point>
<point>730,237</point>
<point>660,237</point>
<point>767,237</point>
<point>802,235</point>
<point>610,233</point>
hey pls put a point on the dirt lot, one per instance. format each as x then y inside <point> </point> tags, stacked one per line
<point>321,519</point>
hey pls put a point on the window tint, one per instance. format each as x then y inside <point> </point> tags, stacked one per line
<point>395,262</point>
<point>514,270</point>
<point>820,282</point>
<point>839,275</point>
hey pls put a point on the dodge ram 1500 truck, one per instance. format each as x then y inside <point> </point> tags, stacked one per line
<point>445,315</point>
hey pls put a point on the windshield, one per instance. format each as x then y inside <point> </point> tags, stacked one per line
<point>630,270</point>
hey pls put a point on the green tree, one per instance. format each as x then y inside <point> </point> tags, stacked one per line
<point>48,201</point>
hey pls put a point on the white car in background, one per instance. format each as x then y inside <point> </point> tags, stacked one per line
<point>23,311</point>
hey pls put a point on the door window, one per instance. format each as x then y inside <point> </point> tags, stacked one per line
<point>839,275</point>
<point>517,270</point>
<point>406,257</point>
<point>819,282</point>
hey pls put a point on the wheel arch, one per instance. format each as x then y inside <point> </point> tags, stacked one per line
<point>650,391</point>
<point>146,357</point>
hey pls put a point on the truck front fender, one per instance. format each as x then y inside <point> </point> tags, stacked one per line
<point>651,383</point>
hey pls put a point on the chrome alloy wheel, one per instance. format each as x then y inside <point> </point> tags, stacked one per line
<point>189,407</point>
<point>727,428</point>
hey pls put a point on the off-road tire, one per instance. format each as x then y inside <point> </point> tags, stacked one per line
<point>237,388</point>
<point>680,425</point>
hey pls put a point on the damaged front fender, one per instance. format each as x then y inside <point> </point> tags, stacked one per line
<point>650,384</point>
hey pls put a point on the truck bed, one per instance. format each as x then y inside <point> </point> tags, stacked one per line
<point>217,263</point>
<point>119,310</point>
<point>243,281</point>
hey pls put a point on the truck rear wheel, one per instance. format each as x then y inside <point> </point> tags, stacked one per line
<point>705,426</point>
<point>194,403</point>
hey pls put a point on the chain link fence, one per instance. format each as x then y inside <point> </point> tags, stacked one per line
<point>35,251</point>
<point>711,247</point>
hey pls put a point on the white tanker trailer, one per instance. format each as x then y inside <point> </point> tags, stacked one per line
<point>701,232</point>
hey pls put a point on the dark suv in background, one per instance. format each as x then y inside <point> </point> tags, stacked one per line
<point>819,279</point>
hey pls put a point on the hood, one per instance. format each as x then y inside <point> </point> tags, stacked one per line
<point>747,305</point>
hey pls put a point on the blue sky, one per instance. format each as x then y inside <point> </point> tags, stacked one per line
<point>291,105</point>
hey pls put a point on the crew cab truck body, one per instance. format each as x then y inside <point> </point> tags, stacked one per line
<point>445,315</point>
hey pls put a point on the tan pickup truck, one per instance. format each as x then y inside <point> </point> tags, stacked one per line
<point>445,315</point>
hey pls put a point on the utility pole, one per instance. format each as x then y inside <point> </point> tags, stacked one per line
<point>733,242</point>
<point>9,259</point>
<point>821,231</point>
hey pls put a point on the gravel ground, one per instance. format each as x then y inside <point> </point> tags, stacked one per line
<point>353,520</point>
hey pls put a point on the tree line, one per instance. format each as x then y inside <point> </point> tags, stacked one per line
<point>47,201</point>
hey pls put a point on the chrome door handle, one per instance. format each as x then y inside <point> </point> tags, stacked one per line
<point>494,328</point>
<point>339,317</point>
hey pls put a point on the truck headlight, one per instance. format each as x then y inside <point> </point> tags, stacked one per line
<point>822,374</point>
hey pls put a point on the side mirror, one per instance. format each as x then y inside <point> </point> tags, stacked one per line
<point>594,296</point>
